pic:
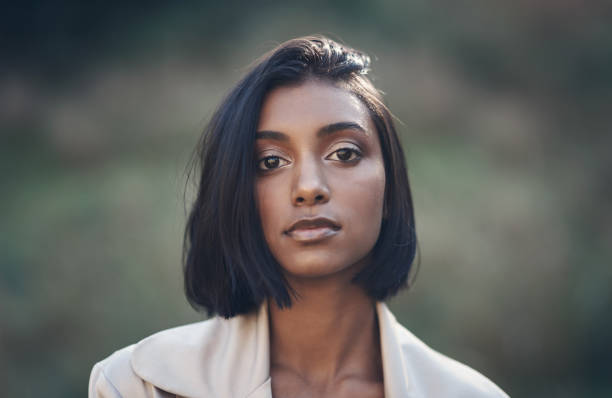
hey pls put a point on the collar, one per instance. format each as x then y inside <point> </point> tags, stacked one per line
<point>231,357</point>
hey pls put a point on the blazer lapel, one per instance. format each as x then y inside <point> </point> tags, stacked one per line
<point>395,370</point>
<point>215,358</point>
<point>263,391</point>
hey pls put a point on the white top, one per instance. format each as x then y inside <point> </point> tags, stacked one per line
<point>231,358</point>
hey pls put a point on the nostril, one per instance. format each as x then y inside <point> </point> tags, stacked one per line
<point>319,198</point>
<point>300,200</point>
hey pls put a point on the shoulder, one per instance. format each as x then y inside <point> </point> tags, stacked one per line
<point>416,370</point>
<point>133,370</point>
<point>190,360</point>
<point>435,374</point>
<point>114,377</point>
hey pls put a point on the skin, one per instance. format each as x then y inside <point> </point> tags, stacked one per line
<point>319,156</point>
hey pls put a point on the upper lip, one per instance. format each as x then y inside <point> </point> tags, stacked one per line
<point>317,222</point>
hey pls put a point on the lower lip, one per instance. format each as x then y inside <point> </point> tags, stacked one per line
<point>311,235</point>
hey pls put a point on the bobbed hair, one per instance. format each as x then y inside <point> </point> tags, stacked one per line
<point>228,267</point>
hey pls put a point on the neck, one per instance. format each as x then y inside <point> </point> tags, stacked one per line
<point>329,333</point>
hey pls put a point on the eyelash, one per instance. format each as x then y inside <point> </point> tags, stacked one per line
<point>353,151</point>
<point>355,155</point>
<point>261,162</point>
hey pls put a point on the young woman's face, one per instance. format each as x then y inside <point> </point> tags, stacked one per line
<point>320,179</point>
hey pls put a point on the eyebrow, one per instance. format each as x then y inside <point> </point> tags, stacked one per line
<point>322,132</point>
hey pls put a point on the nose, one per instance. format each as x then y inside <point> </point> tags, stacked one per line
<point>310,186</point>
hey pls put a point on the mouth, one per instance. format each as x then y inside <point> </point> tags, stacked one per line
<point>311,230</point>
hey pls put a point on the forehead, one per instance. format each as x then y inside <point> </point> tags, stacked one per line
<point>310,104</point>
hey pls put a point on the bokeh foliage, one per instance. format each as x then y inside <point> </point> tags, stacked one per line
<point>504,111</point>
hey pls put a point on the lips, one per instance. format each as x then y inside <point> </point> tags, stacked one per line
<point>310,230</point>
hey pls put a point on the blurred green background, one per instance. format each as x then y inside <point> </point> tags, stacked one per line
<point>505,112</point>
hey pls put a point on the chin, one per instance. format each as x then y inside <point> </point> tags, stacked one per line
<point>313,271</point>
<point>318,266</point>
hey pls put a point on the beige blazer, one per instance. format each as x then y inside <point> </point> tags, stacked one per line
<point>231,358</point>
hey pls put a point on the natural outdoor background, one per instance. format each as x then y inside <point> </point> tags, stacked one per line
<point>506,121</point>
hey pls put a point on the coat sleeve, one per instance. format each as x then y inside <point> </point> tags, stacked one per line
<point>100,386</point>
<point>114,378</point>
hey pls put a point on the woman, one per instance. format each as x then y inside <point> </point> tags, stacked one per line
<point>302,227</point>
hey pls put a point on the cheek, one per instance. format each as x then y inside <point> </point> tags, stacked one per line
<point>362,198</point>
<point>269,205</point>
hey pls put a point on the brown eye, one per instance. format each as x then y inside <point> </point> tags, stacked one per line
<point>270,163</point>
<point>345,155</point>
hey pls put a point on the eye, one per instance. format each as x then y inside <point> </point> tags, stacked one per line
<point>270,163</point>
<point>345,155</point>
